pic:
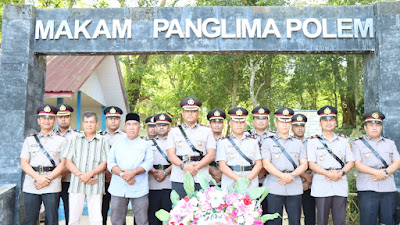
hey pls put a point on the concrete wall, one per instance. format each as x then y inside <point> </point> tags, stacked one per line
<point>7,202</point>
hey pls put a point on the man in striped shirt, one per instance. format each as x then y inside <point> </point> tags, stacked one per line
<point>86,159</point>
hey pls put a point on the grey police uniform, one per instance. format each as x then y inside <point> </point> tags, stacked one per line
<point>270,150</point>
<point>161,163</point>
<point>376,198</point>
<point>113,137</point>
<point>53,144</point>
<point>201,138</point>
<point>227,152</point>
<point>317,153</point>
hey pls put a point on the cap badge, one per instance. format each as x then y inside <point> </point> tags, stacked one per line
<point>375,115</point>
<point>47,109</point>
<point>261,111</point>
<point>162,117</point>
<point>191,101</point>
<point>239,112</point>
<point>217,113</point>
<point>112,110</point>
<point>285,112</point>
<point>299,118</point>
<point>63,108</point>
<point>152,119</point>
<point>327,111</point>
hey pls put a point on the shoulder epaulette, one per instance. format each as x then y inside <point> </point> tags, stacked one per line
<point>78,131</point>
<point>272,131</point>
<point>359,138</point>
<point>202,125</point>
<point>30,135</point>
<point>342,135</point>
<point>102,132</point>
<point>224,137</point>
<point>315,136</point>
<point>388,138</point>
<point>142,137</point>
<point>251,136</point>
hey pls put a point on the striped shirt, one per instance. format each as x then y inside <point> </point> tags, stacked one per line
<point>87,155</point>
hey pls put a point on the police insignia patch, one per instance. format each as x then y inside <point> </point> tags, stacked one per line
<point>47,109</point>
<point>112,110</point>
<point>327,111</point>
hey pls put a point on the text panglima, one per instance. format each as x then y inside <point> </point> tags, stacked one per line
<point>208,28</point>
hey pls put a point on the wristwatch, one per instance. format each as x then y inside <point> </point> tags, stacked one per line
<point>343,173</point>
<point>122,173</point>
<point>166,173</point>
<point>387,173</point>
<point>181,165</point>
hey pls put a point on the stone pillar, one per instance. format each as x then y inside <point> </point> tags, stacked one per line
<point>22,83</point>
<point>382,73</point>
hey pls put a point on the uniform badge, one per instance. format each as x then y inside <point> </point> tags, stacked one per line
<point>63,108</point>
<point>217,113</point>
<point>231,156</point>
<point>321,158</point>
<point>191,101</point>
<point>112,110</point>
<point>200,143</point>
<point>180,144</point>
<point>261,111</point>
<point>375,115</point>
<point>276,156</point>
<point>327,111</point>
<point>47,109</point>
<point>55,154</point>
<point>239,112</point>
<point>152,119</point>
<point>367,155</point>
<point>162,117</point>
<point>285,112</point>
<point>33,154</point>
<point>299,118</point>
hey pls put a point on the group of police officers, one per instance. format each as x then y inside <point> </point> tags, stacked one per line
<point>308,173</point>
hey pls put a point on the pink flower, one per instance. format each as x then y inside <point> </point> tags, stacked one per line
<point>186,198</point>
<point>231,198</point>
<point>235,212</point>
<point>247,201</point>
<point>258,222</point>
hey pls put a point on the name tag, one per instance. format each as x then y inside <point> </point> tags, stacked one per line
<point>34,145</point>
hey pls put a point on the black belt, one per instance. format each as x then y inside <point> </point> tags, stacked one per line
<point>42,169</point>
<point>214,164</point>
<point>187,158</point>
<point>379,167</point>
<point>238,168</point>
<point>160,167</point>
<point>287,171</point>
<point>333,168</point>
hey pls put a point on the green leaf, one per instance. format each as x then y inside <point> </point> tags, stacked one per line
<point>230,189</point>
<point>242,184</point>
<point>203,180</point>
<point>163,215</point>
<point>263,196</point>
<point>256,192</point>
<point>174,197</point>
<point>188,184</point>
<point>266,217</point>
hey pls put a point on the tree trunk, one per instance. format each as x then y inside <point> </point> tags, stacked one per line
<point>235,81</point>
<point>253,71</point>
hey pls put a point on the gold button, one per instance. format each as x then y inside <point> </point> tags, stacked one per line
<point>321,158</point>
<point>367,155</point>
<point>276,156</point>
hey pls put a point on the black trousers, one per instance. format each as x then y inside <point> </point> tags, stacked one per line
<point>65,199</point>
<point>158,199</point>
<point>374,205</point>
<point>292,205</point>
<point>178,187</point>
<point>308,208</point>
<point>32,206</point>
<point>106,204</point>
<point>336,204</point>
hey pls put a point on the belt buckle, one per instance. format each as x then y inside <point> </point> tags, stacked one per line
<point>241,168</point>
<point>41,170</point>
<point>332,168</point>
<point>186,159</point>
<point>161,167</point>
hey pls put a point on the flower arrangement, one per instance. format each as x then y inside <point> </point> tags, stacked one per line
<point>216,206</point>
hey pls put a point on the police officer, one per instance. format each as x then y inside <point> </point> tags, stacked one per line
<point>64,121</point>
<point>284,157</point>
<point>298,128</point>
<point>191,147</point>
<point>150,128</point>
<point>40,160</point>
<point>159,182</point>
<point>216,117</point>
<point>112,134</point>
<point>260,124</point>
<point>330,157</point>
<point>377,159</point>
<point>238,154</point>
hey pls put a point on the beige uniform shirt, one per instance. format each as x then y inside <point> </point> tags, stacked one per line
<point>387,150</point>
<point>68,135</point>
<point>270,150</point>
<point>114,137</point>
<point>159,160</point>
<point>53,144</point>
<point>227,152</point>
<point>317,153</point>
<point>201,138</point>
